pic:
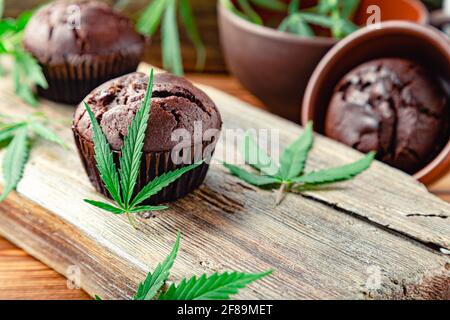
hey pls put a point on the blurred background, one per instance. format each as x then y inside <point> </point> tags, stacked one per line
<point>206,18</point>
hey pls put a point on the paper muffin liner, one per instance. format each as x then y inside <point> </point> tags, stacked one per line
<point>73,80</point>
<point>153,164</point>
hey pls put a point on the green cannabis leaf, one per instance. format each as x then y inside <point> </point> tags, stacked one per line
<point>121,183</point>
<point>218,286</point>
<point>14,162</point>
<point>2,8</point>
<point>329,14</point>
<point>250,12</point>
<point>274,5</point>
<point>245,8</point>
<point>290,175</point>
<point>26,71</point>
<point>230,6</point>
<point>164,13</point>
<point>170,40</point>
<point>16,135</point>
<point>154,281</point>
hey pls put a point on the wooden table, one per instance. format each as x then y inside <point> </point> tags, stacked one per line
<point>23,277</point>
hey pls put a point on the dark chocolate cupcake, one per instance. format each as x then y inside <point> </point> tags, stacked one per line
<point>183,129</point>
<point>81,44</point>
<point>393,106</point>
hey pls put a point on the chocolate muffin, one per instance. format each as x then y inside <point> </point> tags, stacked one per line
<point>183,129</point>
<point>394,107</point>
<point>80,44</point>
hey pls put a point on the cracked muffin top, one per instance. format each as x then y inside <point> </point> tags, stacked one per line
<point>77,30</point>
<point>392,106</point>
<point>176,104</point>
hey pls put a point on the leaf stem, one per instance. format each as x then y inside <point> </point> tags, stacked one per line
<point>131,220</point>
<point>280,193</point>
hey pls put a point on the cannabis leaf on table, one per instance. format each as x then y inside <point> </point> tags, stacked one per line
<point>26,71</point>
<point>218,286</point>
<point>121,183</point>
<point>290,175</point>
<point>17,135</point>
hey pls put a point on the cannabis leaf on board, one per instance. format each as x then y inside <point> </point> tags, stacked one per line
<point>17,135</point>
<point>26,71</point>
<point>290,175</point>
<point>218,286</point>
<point>121,183</point>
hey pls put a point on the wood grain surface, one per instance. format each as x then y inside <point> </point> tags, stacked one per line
<point>323,245</point>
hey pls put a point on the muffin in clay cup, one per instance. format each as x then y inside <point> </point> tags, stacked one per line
<point>183,129</point>
<point>392,106</point>
<point>81,44</point>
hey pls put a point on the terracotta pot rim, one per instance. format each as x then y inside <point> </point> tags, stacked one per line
<point>424,13</point>
<point>284,36</point>
<point>441,163</point>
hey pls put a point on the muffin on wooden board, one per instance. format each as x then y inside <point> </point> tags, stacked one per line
<point>178,110</point>
<point>81,44</point>
<point>393,106</point>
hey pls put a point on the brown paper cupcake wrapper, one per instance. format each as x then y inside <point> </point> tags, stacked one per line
<point>154,164</point>
<point>72,81</point>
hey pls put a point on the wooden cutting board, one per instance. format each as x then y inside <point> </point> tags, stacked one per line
<point>381,235</point>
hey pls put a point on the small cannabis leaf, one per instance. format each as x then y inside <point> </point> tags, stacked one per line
<point>16,135</point>
<point>218,286</point>
<point>26,72</point>
<point>329,14</point>
<point>290,175</point>
<point>245,8</point>
<point>15,158</point>
<point>164,13</point>
<point>121,183</point>
<point>154,281</point>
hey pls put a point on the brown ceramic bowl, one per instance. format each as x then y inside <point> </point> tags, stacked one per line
<point>423,44</point>
<point>276,66</point>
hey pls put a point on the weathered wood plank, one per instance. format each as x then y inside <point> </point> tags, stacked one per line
<point>316,250</point>
<point>24,277</point>
<point>383,195</point>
